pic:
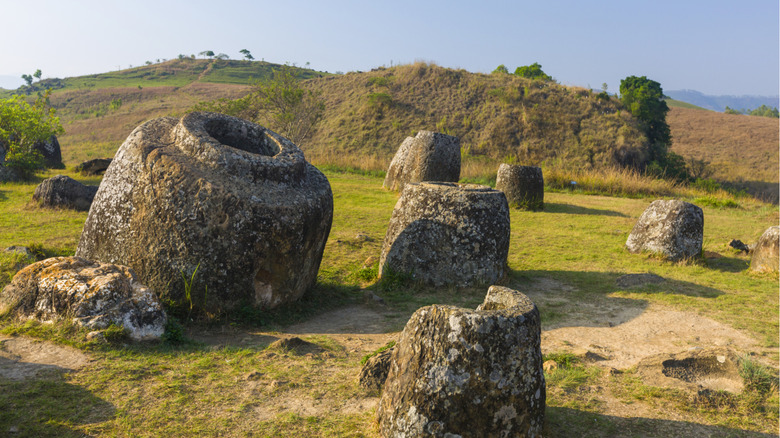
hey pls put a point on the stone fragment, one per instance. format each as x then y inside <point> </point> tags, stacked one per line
<point>64,192</point>
<point>93,294</point>
<point>739,246</point>
<point>766,254</point>
<point>98,166</point>
<point>374,373</point>
<point>460,372</point>
<point>448,234</point>
<point>522,185</point>
<point>428,156</point>
<point>673,229</point>
<point>215,193</point>
<point>22,250</point>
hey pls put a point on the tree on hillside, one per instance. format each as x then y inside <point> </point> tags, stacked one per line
<point>22,125</point>
<point>501,69</point>
<point>37,74</point>
<point>246,54</point>
<point>533,71</point>
<point>222,56</point>
<point>207,53</point>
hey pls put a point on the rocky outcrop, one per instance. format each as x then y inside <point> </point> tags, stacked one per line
<point>94,295</point>
<point>522,185</point>
<point>428,156</point>
<point>460,372</point>
<point>448,234</point>
<point>64,192</point>
<point>227,197</point>
<point>673,229</point>
<point>766,254</point>
<point>50,151</point>
<point>98,166</point>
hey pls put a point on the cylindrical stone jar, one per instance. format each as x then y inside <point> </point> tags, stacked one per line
<point>428,156</point>
<point>215,193</point>
<point>522,185</point>
<point>461,372</point>
<point>448,234</point>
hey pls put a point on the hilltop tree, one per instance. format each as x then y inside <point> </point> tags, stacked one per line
<point>28,79</point>
<point>501,69</point>
<point>533,71</point>
<point>246,54</point>
<point>222,56</point>
<point>207,53</point>
<point>37,74</point>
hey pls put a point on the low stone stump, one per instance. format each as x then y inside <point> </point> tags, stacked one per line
<point>98,166</point>
<point>766,254</point>
<point>51,152</point>
<point>93,294</point>
<point>448,234</point>
<point>522,185</point>
<point>64,192</point>
<point>673,229</point>
<point>461,372</point>
<point>428,156</point>
<point>217,194</point>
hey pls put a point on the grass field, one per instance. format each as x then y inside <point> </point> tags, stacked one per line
<point>233,384</point>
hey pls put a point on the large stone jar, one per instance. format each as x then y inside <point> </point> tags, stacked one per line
<point>215,193</point>
<point>448,234</point>
<point>522,185</point>
<point>428,156</point>
<point>461,372</point>
<point>672,229</point>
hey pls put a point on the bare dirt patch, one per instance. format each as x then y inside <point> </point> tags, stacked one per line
<point>25,358</point>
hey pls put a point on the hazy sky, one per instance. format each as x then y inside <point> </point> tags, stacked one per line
<point>713,46</point>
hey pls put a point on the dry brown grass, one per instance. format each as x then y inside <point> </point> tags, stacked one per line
<point>738,146</point>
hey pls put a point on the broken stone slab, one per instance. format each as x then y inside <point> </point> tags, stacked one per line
<point>51,152</point>
<point>739,246</point>
<point>448,234</point>
<point>222,195</point>
<point>461,372</point>
<point>673,229</point>
<point>428,156</point>
<point>693,370</point>
<point>62,191</point>
<point>766,253</point>
<point>374,372</point>
<point>92,294</point>
<point>522,185</point>
<point>98,166</point>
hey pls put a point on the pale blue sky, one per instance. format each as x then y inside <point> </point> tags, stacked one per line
<point>716,47</point>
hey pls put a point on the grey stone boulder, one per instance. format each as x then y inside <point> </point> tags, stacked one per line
<point>448,234</point>
<point>215,193</point>
<point>92,294</point>
<point>64,192</point>
<point>522,185</point>
<point>461,372</point>
<point>673,229</point>
<point>98,166</point>
<point>428,156</point>
<point>374,372</point>
<point>766,254</point>
<point>50,151</point>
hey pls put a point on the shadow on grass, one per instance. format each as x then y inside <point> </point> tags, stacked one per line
<point>48,407</point>
<point>585,299</point>
<point>552,207</point>
<point>728,264</point>
<point>567,422</point>
<point>3,196</point>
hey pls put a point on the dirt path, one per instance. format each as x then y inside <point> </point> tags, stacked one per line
<point>25,358</point>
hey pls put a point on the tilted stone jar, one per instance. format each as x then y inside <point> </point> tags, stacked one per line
<point>215,193</point>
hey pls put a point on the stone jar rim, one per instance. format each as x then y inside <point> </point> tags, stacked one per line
<point>239,147</point>
<point>448,186</point>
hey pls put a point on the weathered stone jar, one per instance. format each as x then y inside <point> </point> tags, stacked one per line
<point>766,254</point>
<point>522,185</point>
<point>673,229</point>
<point>217,193</point>
<point>448,234</point>
<point>428,156</point>
<point>461,372</point>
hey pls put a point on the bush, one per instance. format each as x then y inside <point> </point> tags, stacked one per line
<point>22,125</point>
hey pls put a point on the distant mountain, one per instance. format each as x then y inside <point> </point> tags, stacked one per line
<point>719,103</point>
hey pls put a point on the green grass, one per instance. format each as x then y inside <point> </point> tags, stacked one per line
<point>680,104</point>
<point>188,388</point>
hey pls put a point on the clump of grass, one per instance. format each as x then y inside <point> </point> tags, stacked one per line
<point>387,346</point>
<point>571,372</point>
<point>757,377</point>
<point>115,334</point>
<point>712,201</point>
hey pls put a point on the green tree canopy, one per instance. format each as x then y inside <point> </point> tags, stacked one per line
<point>22,125</point>
<point>644,98</point>
<point>533,71</point>
<point>501,69</point>
<point>246,54</point>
